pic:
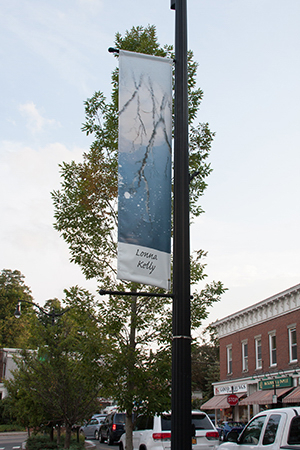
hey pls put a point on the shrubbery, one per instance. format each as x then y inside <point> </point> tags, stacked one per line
<point>43,442</point>
<point>10,427</point>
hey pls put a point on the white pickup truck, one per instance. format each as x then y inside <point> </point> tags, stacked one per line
<point>273,429</point>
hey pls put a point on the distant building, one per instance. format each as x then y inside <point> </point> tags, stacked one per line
<point>259,357</point>
<point>7,365</point>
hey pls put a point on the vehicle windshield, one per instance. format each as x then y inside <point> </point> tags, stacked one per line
<point>201,422</point>
<point>166,422</point>
<point>119,418</point>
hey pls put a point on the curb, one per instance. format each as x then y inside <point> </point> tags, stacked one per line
<point>89,444</point>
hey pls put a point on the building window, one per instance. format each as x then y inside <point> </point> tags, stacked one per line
<point>229,359</point>
<point>272,347</point>
<point>258,359</point>
<point>245,356</point>
<point>293,344</point>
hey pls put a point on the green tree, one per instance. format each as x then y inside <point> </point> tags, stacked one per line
<point>22,405</point>
<point>59,379</point>
<point>86,217</point>
<point>6,414</point>
<point>12,289</point>
<point>206,363</point>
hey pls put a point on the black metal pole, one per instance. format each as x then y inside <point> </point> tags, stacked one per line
<point>181,350</point>
<point>274,401</point>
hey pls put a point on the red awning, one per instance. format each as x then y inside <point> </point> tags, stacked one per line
<point>219,402</point>
<point>213,402</point>
<point>224,403</point>
<point>263,397</point>
<point>293,397</point>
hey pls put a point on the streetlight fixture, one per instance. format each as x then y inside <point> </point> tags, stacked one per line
<point>272,376</point>
<point>52,314</point>
<point>267,376</point>
<point>274,396</point>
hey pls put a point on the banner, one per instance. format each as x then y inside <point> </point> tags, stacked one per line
<point>144,187</point>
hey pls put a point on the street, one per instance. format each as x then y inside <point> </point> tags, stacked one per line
<point>105,446</point>
<point>12,441</point>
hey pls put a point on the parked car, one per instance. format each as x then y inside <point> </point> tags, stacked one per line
<point>99,416</point>
<point>273,429</point>
<point>112,428</point>
<point>154,433</point>
<point>225,427</point>
<point>91,428</point>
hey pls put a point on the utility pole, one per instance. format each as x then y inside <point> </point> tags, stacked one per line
<point>181,349</point>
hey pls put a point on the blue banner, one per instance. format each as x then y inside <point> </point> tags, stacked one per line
<point>145,161</point>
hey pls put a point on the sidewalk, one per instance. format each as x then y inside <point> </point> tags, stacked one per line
<point>89,445</point>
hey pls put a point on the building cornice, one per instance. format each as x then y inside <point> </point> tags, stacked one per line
<point>270,308</point>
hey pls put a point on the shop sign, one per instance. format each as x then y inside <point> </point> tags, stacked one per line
<point>279,383</point>
<point>227,389</point>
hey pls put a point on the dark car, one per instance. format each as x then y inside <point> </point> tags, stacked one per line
<point>225,427</point>
<point>112,428</point>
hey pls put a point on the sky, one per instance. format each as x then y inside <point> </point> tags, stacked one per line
<point>53,56</point>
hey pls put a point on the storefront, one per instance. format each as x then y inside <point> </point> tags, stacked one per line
<point>220,402</point>
<point>293,398</point>
<point>266,398</point>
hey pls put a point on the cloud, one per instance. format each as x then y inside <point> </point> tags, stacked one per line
<point>28,240</point>
<point>92,5</point>
<point>65,40</point>
<point>36,123</point>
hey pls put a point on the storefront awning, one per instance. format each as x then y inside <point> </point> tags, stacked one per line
<point>212,403</point>
<point>293,397</point>
<point>224,403</point>
<point>263,397</point>
<point>218,402</point>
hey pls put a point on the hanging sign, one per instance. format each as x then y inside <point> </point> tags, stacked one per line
<point>278,382</point>
<point>144,187</point>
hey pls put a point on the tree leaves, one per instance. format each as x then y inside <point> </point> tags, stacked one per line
<point>12,289</point>
<point>60,378</point>
<point>86,217</point>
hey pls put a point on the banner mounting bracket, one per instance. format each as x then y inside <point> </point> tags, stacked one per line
<point>137,294</point>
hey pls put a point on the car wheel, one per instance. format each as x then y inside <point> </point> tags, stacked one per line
<point>101,438</point>
<point>96,435</point>
<point>110,440</point>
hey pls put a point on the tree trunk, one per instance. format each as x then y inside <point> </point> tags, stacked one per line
<point>58,434</point>
<point>129,429</point>
<point>68,436</point>
<point>51,433</point>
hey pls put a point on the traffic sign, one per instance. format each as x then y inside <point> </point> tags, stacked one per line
<point>232,399</point>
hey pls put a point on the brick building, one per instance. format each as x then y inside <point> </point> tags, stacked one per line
<point>259,357</point>
<point>7,365</point>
